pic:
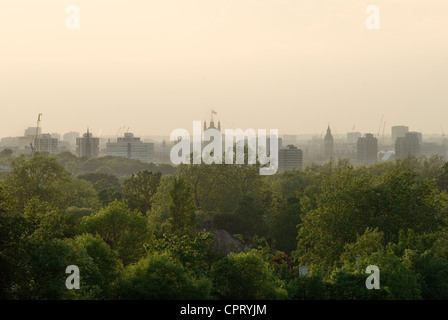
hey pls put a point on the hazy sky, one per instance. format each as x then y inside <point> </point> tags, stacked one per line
<point>157,65</point>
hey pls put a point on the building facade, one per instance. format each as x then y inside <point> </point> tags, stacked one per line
<point>87,146</point>
<point>367,149</point>
<point>409,145</point>
<point>131,147</point>
<point>398,132</point>
<point>328,144</point>
<point>290,158</point>
<point>47,144</point>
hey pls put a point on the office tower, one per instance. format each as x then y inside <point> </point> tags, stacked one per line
<point>131,147</point>
<point>87,146</point>
<point>367,149</point>
<point>290,158</point>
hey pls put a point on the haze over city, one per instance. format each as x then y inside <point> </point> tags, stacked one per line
<point>158,65</point>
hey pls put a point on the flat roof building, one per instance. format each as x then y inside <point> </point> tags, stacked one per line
<point>131,147</point>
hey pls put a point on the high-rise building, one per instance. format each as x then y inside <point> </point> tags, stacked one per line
<point>87,146</point>
<point>162,153</point>
<point>398,132</point>
<point>429,149</point>
<point>290,158</point>
<point>328,144</point>
<point>71,137</point>
<point>31,131</point>
<point>409,145</point>
<point>131,147</point>
<point>46,143</point>
<point>352,137</point>
<point>367,149</point>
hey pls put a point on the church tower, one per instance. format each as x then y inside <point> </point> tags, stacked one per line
<point>328,144</point>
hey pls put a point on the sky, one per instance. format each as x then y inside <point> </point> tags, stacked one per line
<point>158,65</point>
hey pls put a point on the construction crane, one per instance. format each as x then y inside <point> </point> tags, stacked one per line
<point>36,134</point>
<point>379,128</point>
<point>382,135</point>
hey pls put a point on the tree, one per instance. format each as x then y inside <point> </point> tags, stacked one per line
<point>284,225</point>
<point>40,177</point>
<point>125,231</point>
<point>352,200</point>
<point>159,277</point>
<point>6,153</point>
<point>139,189</point>
<point>192,251</point>
<point>99,266</point>
<point>246,276</point>
<point>107,186</point>
<point>182,209</point>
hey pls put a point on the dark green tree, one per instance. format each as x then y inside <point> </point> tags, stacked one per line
<point>182,209</point>
<point>139,189</point>
<point>124,230</point>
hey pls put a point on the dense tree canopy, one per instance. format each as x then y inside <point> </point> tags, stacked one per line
<point>142,231</point>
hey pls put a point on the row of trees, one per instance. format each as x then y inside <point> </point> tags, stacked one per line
<point>151,235</point>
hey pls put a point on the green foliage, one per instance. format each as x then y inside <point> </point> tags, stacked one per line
<point>99,266</point>
<point>6,153</point>
<point>182,209</point>
<point>393,215</point>
<point>284,225</point>
<point>118,166</point>
<point>139,189</point>
<point>159,277</point>
<point>193,252</point>
<point>107,186</point>
<point>246,276</point>
<point>40,177</point>
<point>125,231</point>
<point>308,287</point>
<point>352,200</point>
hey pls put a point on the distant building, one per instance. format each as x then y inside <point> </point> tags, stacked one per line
<point>367,149</point>
<point>290,139</point>
<point>212,125</point>
<point>87,146</point>
<point>71,137</point>
<point>409,145</point>
<point>31,131</point>
<point>46,143</point>
<point>398,132</point>
<point>290,158</point>
<point>352,137</point>
<point>431,148</point>
<point>131,147</point>
<point>328,144</point>
<point>162,153</point>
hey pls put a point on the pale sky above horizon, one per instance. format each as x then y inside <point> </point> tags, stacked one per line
<point>157,65</point>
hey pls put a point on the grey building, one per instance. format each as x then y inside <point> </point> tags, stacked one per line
<point>46,143</point>
<point>409,145</point>
<point>131,147</point>
<point>398,132</point>
<point>328,144</point>
<point>367,149</point>
<point>290,158</point>
<point>87,146</point>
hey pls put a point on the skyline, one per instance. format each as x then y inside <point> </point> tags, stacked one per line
<point>289,65</point>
